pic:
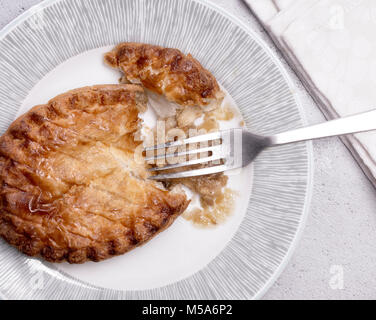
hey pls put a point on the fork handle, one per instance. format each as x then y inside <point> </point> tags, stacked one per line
<point>365,121</point>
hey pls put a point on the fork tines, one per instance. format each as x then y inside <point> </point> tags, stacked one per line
<point>212,149</point>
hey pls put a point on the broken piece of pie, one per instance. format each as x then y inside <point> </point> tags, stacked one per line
<point>70,186</point>
<point>185,96</point>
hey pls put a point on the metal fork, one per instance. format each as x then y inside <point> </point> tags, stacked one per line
<point>238,147</point>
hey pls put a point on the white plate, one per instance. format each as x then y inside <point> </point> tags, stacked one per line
<point>58,46</point>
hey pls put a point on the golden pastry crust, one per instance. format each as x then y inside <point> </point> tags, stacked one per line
<point>179,77</point>
<point>70,188</point>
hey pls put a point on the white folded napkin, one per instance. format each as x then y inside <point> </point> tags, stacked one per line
<point>332,47</point>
